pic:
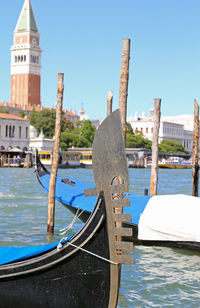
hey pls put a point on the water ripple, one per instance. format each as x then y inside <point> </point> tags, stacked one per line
<point>161,277</point>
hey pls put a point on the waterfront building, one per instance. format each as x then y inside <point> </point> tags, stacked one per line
<point>171,128</point>
<point>187,120</point>
<point>39,142</point>
<point>14,132</point>
<point>26,60</point>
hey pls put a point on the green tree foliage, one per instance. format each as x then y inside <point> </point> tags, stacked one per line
<point>80,137</point>
<point>45,121</point>
<point>67,125</point>
<point>2,110</point>
<point>137,141</point>
<point>86,130</point>
<point>33,117</point>
<point>22,114</point>
<point>69,139</point>
<point>129,129</point>
<point>169,146</point>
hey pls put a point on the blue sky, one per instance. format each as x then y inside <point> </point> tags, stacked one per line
<point>83,40</point>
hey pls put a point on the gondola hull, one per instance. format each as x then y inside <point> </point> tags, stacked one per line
<point>68,277</point>
<point>82,271</point>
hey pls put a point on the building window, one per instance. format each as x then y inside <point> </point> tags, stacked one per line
<point>152,130</point>
<point>6,130</point>
<point>20,132</point>
<point>136,130</point>
<point>34,59</point>
<point>13,131</point>
<point>147,130</point>
<point>141,129</point>
<point>21,58</point>
<point>26,132</point>
<point>10,131</point>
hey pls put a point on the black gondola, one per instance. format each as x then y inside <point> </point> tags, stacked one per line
<point>82,271</point>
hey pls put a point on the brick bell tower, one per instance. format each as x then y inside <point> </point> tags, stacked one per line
<point>26,60</point>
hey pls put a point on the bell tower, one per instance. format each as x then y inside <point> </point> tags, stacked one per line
<point>26,60</point>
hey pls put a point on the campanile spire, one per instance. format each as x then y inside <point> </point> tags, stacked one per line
<point>26,60</point>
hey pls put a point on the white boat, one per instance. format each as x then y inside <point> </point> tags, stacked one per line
<point>175,163</point>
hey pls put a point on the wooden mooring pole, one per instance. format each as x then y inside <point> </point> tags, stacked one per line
<point>55,159</point>
<point>109,102</point>
<point>154,166</point>
<point>123,85</point>
<point>123,93</point>
<point>195,161</point>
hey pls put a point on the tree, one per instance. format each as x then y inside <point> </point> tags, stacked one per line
<point>2,110</point>
<point>169,146</point>
<point>129,129</point>
<point>137,141</point>
<point>67,125</point>
<point>33,117</point>
<point>22,113</point>
<point>69,139</point>
<point>86,130</point>
<point>45,121</point>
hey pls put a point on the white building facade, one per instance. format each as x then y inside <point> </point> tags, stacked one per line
<point>17,133</point>
<point>171,128</point>
<point>14,132</point>
<point>40,143</point>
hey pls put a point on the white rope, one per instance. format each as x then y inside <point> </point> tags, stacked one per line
<point>87,251</point>
<point>66,229</point>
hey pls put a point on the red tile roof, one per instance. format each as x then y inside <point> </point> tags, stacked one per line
<point>11,117</point>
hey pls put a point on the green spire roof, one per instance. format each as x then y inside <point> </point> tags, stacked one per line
<point>26,21</point>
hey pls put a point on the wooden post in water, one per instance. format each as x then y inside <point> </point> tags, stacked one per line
<point>55,159</point>
<point>195,161</point>
<point>109,102</point>
<point>123,85</point>
<point>123,93</point>
<point>8,160</point>
<point>3,160</point>
<point>154,166</point>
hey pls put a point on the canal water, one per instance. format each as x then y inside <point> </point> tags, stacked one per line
<point>161,277</point>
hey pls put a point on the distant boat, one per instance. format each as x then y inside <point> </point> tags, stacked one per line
<point>67,159</point>
<point>175,163</point>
